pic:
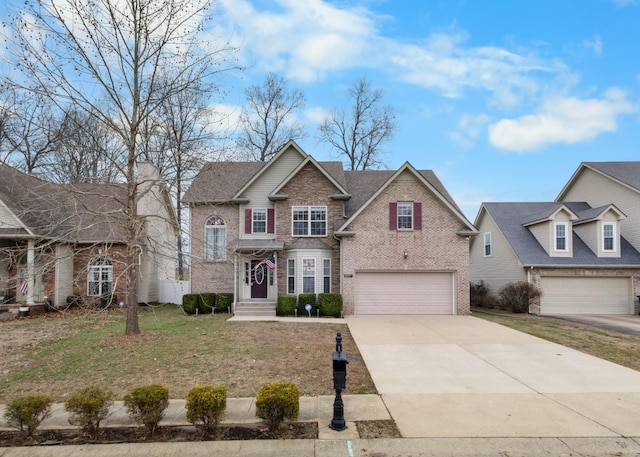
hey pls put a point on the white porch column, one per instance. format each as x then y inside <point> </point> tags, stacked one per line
<point>31,256</point>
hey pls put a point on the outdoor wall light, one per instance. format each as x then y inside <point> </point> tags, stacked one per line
<point>406,254</point>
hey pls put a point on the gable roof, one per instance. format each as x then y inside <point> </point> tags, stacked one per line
<point>367,185</point>
<point>548,213</point>
<point>84,213</point>
<point>324,169</point>
<point>626,173</point>
<point>512,217</point>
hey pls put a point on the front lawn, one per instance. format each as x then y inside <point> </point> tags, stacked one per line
<point>62,353</point>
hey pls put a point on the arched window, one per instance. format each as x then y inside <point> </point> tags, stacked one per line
<point>100,278</point>
<point>215,239</point>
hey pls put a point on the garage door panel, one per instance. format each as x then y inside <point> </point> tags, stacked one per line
<point>585,295</point>
<point>404,293</point>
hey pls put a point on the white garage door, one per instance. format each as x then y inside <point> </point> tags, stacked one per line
<point>404,293</point>
<point>585,295</point>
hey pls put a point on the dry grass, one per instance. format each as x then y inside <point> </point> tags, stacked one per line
<point>615,347</point>
<point>60,355</point>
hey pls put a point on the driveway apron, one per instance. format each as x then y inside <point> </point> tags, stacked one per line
<point>461,376</point>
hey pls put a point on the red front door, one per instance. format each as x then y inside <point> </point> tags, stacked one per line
<point>259,280</point>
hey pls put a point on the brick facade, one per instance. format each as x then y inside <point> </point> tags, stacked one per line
<point>436,247</point>
<point>212,275</point>
<point>309,187</point>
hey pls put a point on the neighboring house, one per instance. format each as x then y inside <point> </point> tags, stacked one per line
<point>574,252</point>
<point>391,242</point>
<point>61,240</point>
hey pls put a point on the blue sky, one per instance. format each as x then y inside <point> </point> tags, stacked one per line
<point>501,99</point>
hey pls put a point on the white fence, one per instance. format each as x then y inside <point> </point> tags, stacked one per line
<point>172,291</point>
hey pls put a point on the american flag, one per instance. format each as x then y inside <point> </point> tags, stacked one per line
<point>24,284</point>
<point>269,261</point>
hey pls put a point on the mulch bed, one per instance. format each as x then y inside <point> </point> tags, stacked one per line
<point>109,435</point>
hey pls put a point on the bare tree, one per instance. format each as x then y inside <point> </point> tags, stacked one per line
<point>119,60</point>
<point>360,134</point>
<point>85,151</point>
<point>31,130</point>
<point>267,120</point>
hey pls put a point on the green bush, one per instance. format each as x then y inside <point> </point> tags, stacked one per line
<point>107,300</point>
<point>205,407</point>
<point>74,301</point>
<point>517,295</point>
<point>330,304</point>
<point>223,301</point>
<point>190,303</point>
<point>277,401</point>
<point>303,300</point>
<point>286,305</point>
<point>207,302</point>
<point>88,408</point>
<point>146,405</point>
<point>26,413</point>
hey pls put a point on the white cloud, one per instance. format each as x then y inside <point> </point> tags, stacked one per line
<point>594,45</point>
<point>305,40</point>
<point>469,129</point>
<point>562,120</point>
<point>317,115</point>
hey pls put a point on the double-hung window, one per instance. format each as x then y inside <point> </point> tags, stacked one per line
<point>487,244</point>
<point>291,276</point>
<point>309,221</point>
<point>100,276</point>
<point>608,237</point>
<point>215,239</point>
<point>326,275</point>
<point>308,276</point>
<point>405,216</point>
<point>561,237</point>
<point>259,221</point>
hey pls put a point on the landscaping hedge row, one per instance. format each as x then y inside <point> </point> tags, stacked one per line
<point>146,405</point>
<point>328,304</point>
<point>207,302</point>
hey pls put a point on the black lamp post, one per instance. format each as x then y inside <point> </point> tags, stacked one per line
<point>339,383</point>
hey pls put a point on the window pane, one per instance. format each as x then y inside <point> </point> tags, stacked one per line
<point>215,240</point>
<point>259,221</point>
<point>308,275</point>
<point>300,221</point>
<point>607,230</point>
<point>405,215</point>
<point>561,241</point>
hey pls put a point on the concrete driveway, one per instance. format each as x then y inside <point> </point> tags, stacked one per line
<point>461,376</point>
<point>627,324</point>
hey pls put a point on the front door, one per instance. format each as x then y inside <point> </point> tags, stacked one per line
<point>259,280</point>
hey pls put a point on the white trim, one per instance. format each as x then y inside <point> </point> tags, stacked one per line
<point>556,237</point>
<point>485,244</point>
<point>613,237</point>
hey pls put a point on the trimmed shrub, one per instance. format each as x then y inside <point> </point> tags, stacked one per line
<point>206,406</point>
<point>223,301</point>
<point>146,405</point>
<point>478,294</point>
<point>107,300</point>
<point>88,408</point>
<point>517,295</point>
<point>286,305</point>
<point>74,301</point>
<point>190,303</point>
<point>207,302</point>
<point>330,304</point>
<point>27,413</point>
<point>303,300</point>
<point>276,402</point>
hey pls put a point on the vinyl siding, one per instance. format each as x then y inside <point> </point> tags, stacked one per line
<point>589,234</point>
<point>598,190</point>
<point>502,267</point>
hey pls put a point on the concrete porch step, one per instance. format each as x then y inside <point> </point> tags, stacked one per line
<point>255,309</point>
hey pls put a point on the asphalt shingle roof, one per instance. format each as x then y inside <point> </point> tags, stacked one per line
<point>511,217</point>
<point>626,172</point>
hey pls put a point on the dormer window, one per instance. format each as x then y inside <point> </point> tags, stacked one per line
<point>561,237</point>
<point>608,237</point>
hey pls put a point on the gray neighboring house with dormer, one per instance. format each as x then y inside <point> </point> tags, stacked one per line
<point>581,250</point>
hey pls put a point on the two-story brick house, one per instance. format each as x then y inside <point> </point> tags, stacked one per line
<point>389,241</point>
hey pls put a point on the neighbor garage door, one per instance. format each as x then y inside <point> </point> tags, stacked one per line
<point>404,293</point>
<point>585,295</point>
